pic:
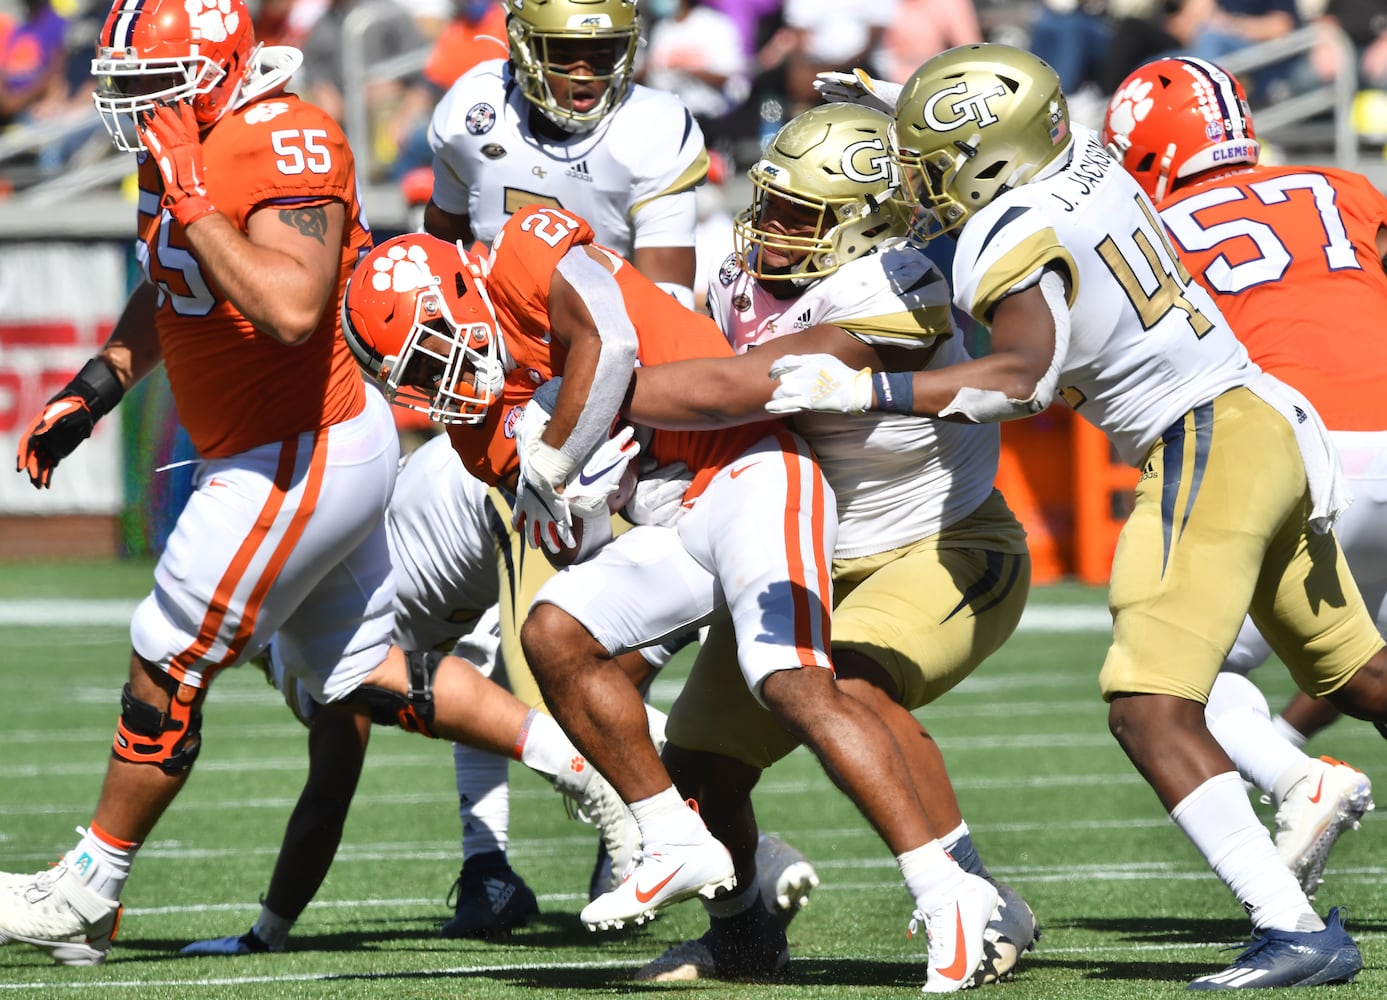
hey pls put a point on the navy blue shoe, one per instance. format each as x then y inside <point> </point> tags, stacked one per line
<point>748,946</point>
<point>489,900</point>
<point>1291,958</point>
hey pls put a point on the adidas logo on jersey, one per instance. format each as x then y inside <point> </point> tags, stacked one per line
<point>803,320</point>
<point>579,171</point>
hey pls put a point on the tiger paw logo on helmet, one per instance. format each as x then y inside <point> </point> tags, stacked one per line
<point>402,269</point>
<point>214,19</point>
<point>1130,105</point>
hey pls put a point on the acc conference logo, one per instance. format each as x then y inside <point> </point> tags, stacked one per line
<point>945,115</point>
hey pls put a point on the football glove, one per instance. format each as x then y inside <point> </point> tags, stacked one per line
<point>659,495</point>
<point>541,515</point>
<point>819,382</point>
<point>170,133</point>
<point>858,88</point>
<point>66,421</point>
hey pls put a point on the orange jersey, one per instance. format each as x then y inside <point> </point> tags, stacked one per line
<point>236,388</point>
<point>461,46</point>
<point>524,257</point>
<point>1290,256</point>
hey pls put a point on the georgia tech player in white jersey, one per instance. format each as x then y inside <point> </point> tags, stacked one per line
<point>931,569</point>
<point>1062,255</point>
<point>560,123</point>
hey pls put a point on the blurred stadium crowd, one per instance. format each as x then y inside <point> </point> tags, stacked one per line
<point>742,66</point>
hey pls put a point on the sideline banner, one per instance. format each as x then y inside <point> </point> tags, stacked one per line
<point>58,303</point>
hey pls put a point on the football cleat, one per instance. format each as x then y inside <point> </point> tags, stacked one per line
<point>750,945</point>
<point>1291,958</point>
<point>54,911</point>
<point>662,878</point>
<point>956,929</point>
<point>600,805</point>
<point>1330,799</point>
<point>246,944</point>
<point>1012,931</point>
<point>488,899</point>
<point>785,878</point>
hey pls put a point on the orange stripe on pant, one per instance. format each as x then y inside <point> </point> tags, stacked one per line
<point>805,616</point>
<point>245,554</point>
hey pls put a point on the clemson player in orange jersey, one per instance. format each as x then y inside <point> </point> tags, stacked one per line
<point>249,228</point>
<point>750,540</point>
<point>1296,259</point>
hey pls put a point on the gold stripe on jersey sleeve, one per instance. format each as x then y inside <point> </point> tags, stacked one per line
<point>692,176</point>
<point>1035,251</point>
<point>924,325</point>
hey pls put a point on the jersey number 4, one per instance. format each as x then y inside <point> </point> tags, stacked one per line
<point>1172,280</point>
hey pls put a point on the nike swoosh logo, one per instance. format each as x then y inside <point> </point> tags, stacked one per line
<point>587,480</point>
<point>645,896</point>
<point>1318,789</point>
<point>956,968</point>
<point>738,471</point>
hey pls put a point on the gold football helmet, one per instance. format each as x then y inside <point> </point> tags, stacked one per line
<point>587,45</point>
<point>830,171</point>
<point>971,123</point>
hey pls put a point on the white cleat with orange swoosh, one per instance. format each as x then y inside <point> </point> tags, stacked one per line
<point>1331,798</point>
<point>956,943</point>
<point>661,877</point>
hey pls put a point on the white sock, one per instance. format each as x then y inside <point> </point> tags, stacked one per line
<point>929,874</point>
<point>101,862</point>
<point>1218,819</point>
<point>1238,717</point>
<point>483,800</point>
<point>1292,735</point>
<point>665,818</point>
<point>272,929</point>
<point>545,750</point>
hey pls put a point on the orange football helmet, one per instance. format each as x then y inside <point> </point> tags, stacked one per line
<point>170,50</point>
<point>418,319</point>
<point>1174,118</point>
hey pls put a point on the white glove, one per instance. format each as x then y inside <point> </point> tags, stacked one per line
<point>599,484</point>
<point>819,382</point>
<point>541,513</point>
<point>659,495</point>
<point>858,88</point>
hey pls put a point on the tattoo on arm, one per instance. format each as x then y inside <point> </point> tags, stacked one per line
<point>309,221</point>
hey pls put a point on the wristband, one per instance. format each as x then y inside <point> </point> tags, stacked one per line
<point>186,211</point>
<point>894,392</point>
<point>98,386</point>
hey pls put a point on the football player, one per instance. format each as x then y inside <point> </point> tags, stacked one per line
<point>1273,245</point>
<point>931,569</point>
<point>753,535</point>
<point>249,228</point>
<point>559,123</point>
<point>443,554</point>
<point>1061,254</point>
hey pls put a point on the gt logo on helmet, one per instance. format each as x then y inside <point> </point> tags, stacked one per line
<point>878,167</point>
<point>968,107</point>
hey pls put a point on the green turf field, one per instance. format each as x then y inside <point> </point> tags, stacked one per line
<point>1127,906</point>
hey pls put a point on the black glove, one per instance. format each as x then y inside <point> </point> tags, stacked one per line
<point>67,420</point>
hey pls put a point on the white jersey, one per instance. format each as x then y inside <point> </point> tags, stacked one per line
<point>1146,344</point>
<point>442,551</point>
<point>488,163</point>
<point>898,478</point>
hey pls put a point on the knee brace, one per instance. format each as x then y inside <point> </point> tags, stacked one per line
<point>412,712</point>
<point>169,740</point>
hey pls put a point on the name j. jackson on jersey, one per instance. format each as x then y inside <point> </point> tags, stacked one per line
<point>1091,164</point>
